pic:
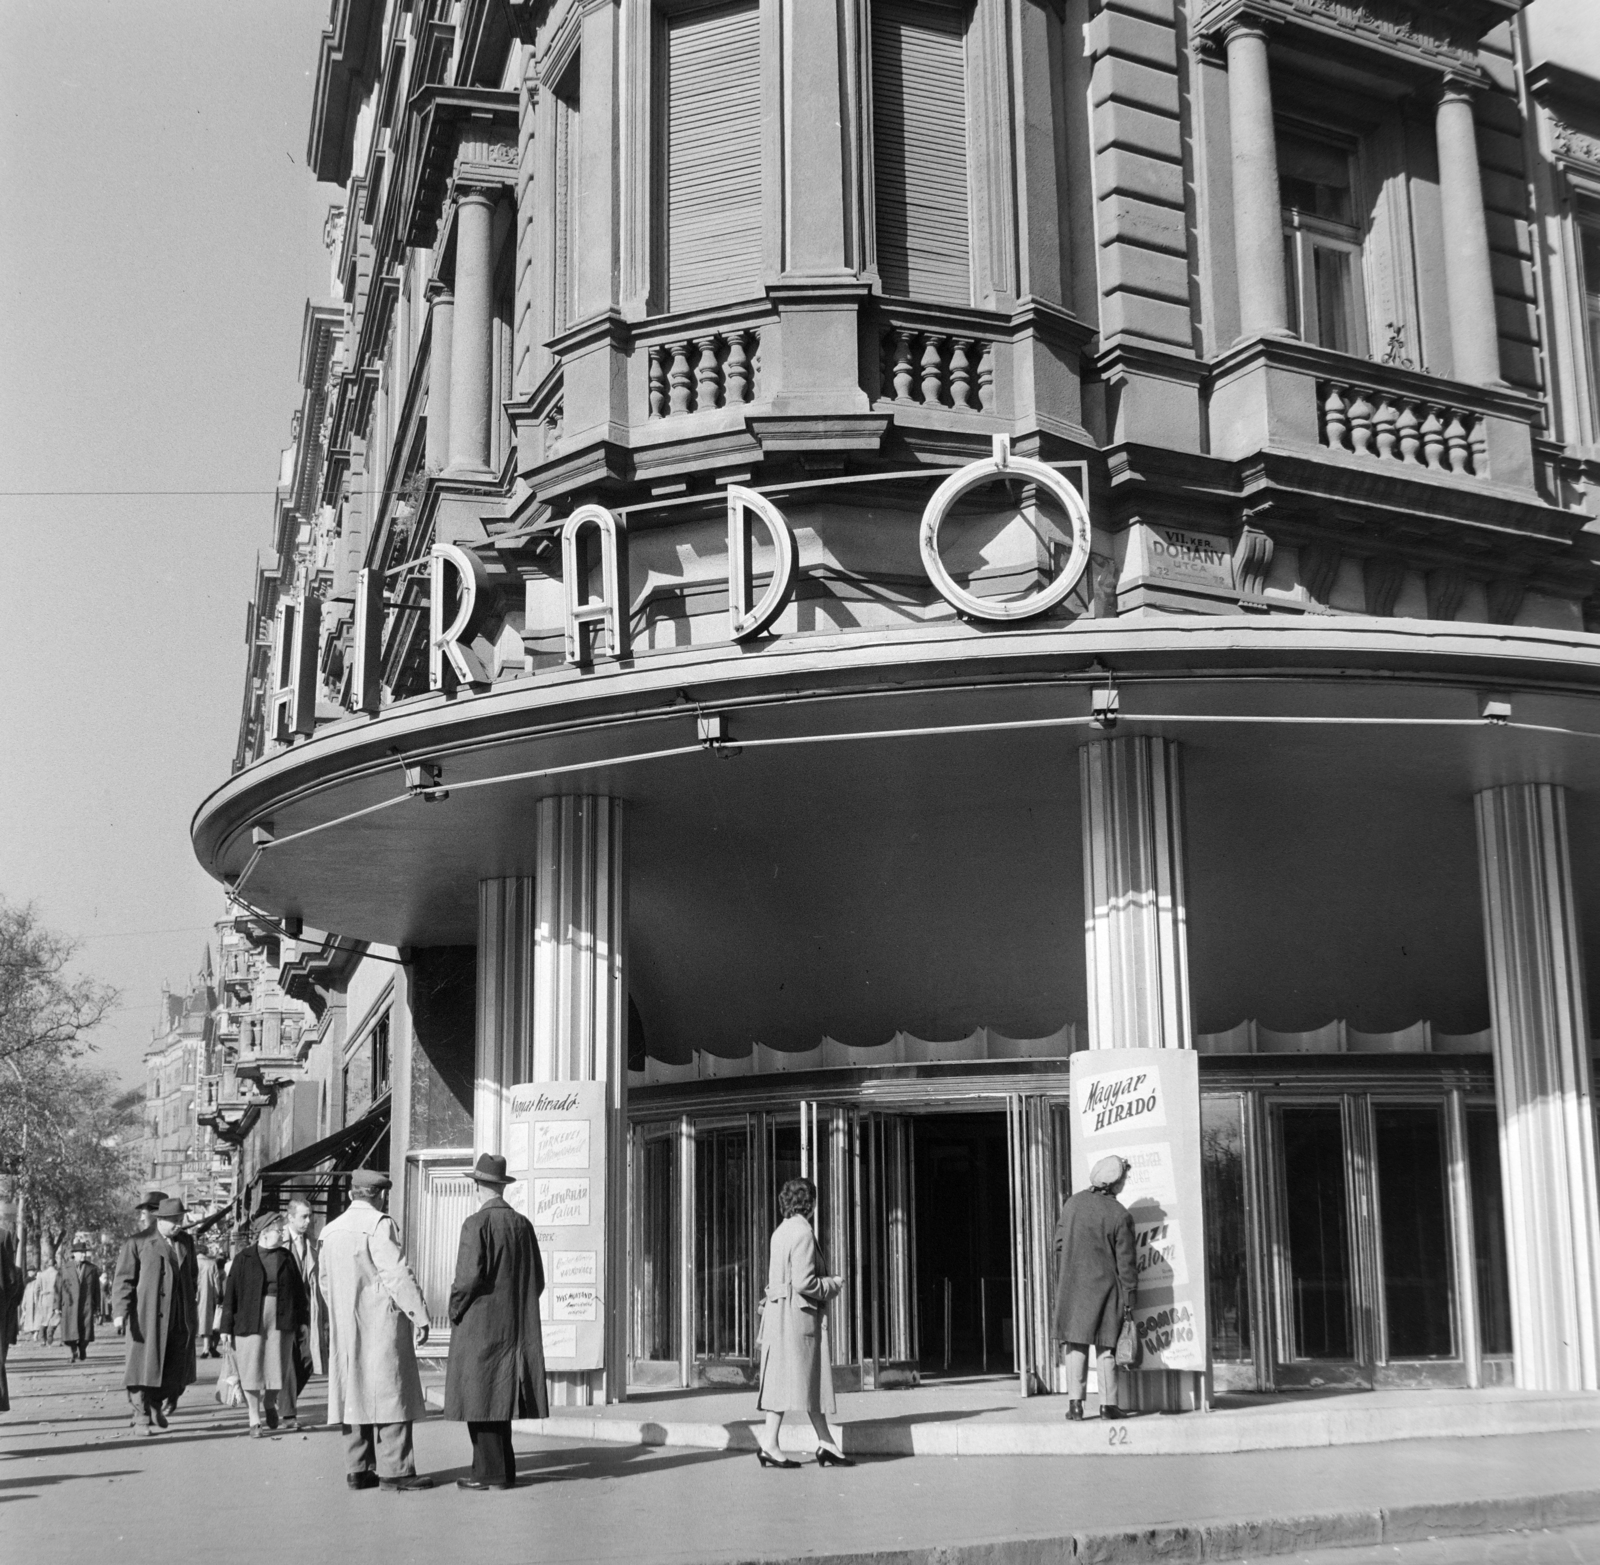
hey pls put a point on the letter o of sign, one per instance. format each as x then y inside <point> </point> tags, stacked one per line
<point>1003,465</point>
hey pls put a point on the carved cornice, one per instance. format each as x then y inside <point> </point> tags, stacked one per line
<point>473,127</point>
<point>1441,37</point>
<point>1574,146</point>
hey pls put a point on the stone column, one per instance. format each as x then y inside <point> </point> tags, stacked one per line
<point>441,312</point>
<point>471,337</point>
<point>1257,205</point>
<point>1137,957</point>
<point>1543,1085</point>
<point>1474,331</point>
<point>552,1006</point>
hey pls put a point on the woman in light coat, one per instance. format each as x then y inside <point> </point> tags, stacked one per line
<point>795,1375</point>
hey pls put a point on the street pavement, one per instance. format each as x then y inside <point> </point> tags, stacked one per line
<point>76,1480</point>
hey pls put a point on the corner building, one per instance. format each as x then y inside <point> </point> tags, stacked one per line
<point>1280,744</point>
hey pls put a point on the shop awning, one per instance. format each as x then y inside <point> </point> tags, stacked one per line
<point>324,1165</point>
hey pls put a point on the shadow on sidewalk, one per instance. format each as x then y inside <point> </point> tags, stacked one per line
<point>49,1480</point>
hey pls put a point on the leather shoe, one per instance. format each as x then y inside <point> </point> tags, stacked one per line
<point>416,1481</point>
<point>361,1480</point>
<point>473,1483</point>
<point>1074,1411</point>
<point>1111,1410</point>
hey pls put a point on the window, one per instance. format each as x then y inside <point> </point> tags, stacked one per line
<point>380,1058</point>
<point>565,237</point>
<point>919,150</point>
<point>1589,240</point>
<point>711,122</point>
<point>1321,242</point>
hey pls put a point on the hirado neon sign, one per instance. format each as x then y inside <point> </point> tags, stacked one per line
<point>597,613</point>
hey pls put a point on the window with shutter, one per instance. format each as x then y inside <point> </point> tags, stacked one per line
<point>564,238</point>
<point>712,122</point>
<point>919,148</point>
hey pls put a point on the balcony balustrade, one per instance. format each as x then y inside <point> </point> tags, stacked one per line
<point>937,368</point>
<point>1390,426</point>
<point>716,369</point>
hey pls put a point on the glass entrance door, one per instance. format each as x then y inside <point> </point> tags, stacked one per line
<point>1366,1254</point>
<point>1317,1337</point>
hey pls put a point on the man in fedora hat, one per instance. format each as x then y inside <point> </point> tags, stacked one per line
<point>377,1319</point>
<point>154,1293</point>
<point>496,1367</point>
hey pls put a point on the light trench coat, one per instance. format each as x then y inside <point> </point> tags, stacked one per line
<point>373,1305</point>
<point>795,1374</point>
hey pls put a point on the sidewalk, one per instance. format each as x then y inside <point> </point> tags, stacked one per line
<point>990,1417</point>
<point>75,1481</point>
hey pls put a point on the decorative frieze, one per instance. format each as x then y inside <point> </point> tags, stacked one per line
<point>1445,37</point>
<point>1574,144</point>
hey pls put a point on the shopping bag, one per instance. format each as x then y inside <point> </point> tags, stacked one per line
<point>229,1391</point>
<point>1127,1346</point>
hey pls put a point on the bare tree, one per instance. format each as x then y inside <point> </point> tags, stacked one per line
<point>81,1131</point>
<point>44,1007</point>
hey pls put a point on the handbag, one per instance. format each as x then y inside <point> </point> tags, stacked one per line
<point>1127,1354</point>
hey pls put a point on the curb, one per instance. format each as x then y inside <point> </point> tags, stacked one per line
<point>1180,1544</point>
<point>1218,1435</point>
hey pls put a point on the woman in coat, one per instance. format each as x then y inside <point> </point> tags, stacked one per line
<point>795,1375</point>
<point>263,1307</point>
<point>48,1311</point>
<point>78,1299</point>
<point>1096,1276</point>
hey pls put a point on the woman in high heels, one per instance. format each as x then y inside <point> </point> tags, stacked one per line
<point>795,1375</point>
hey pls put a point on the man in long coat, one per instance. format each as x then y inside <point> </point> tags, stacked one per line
<point>377,1318</point>
<point>302,1248</point>
<point>12,1286</point>
<point>155,1294</point>
<point>1096,1276</point>
<point>78,1296</point>
<point>496,1367</point>
<point>208,1298</point>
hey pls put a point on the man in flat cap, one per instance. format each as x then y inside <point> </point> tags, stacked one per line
<point>496,1368</point>
<point>154,1294</point>
<point>377,1319</point>
<point>1096,1276</point>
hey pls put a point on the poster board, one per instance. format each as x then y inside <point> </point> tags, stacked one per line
<point>555,1146</point>
<point>1144,1105</point>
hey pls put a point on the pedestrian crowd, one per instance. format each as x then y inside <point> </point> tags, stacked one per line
<point>283,1307</point>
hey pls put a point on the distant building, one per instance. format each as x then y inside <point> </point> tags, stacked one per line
<point>177,1149</point>
<point>631,698</point>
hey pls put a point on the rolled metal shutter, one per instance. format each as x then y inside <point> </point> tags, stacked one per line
<point>713,121</point>
<point>919,140</point>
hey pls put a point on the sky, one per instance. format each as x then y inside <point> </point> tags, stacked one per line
<point>160,236</point>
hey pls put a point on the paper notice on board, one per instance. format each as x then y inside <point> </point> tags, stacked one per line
<point>1169,1337</point>
<point>1158,1253</point>
<point>1115,1101</point>
<point>561,1202</point>
<point>560,1341</point>
<point>560,1143</point>
<point>573,1268</point>
<point>517,1146</point>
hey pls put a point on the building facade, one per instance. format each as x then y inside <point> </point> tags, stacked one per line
<point>835,556</point>
<point>177,1155</point>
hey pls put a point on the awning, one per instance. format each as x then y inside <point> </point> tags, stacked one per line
<point>325,1165</point>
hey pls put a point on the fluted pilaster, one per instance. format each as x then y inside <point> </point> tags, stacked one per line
<point>552,1006</point>
<point>1543,1085</point>
<point>1137,956</point>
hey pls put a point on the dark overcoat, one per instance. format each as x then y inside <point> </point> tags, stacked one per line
<point>12,1283</point>
<point>496,1366</point>
<point>154,1292</point>
<point>78,1295</point>
<point>246,1288</point>
<point>1096,1270</point>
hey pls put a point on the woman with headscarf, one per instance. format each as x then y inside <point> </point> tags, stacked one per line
<point>263,1307</point>
<point>1096,1275</point>
<point>795,1374</point>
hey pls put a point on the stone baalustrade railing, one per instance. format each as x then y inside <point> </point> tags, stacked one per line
<point>1390,426</point>
<point>937,368</point>
<point>696,374</point>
